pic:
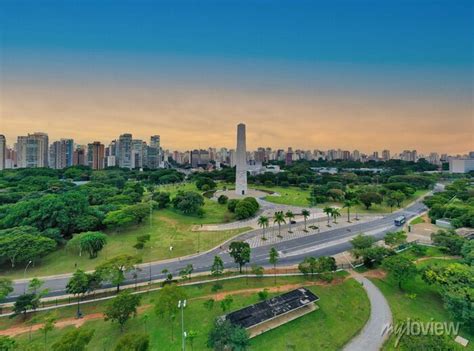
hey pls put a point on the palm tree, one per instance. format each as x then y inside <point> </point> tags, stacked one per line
<point>348,204</point>
<point>290,215</point>
<point>328,211</point>
<point>263,223</point>
<point>305,214</point>
<point>279,218</point>
<point>335,213</point>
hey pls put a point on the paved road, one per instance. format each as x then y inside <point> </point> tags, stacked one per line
<point>293,251</point>
<point>372,336</point>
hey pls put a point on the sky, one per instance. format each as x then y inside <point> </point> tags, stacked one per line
<point>350,74</point>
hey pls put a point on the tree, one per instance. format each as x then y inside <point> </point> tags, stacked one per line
<point>369,198</point>
<point>162,199</point>
<point>394,239</point>
<point>133,342</point>
<point>226,303</point>
<point>362,242</point>
<point>79,284</point>
<point>25,303</point>
<point>7,343</point>
<point>141,240</point>
<point>186,272</point>
<point>305,213</point>
<point>74,340</point>
<point>308,266</point>
<point>400,268</point>
<point>240,252</point>
<point>263,223</point>
<point>115,268</point>
<point>328,211</point>
<point>5,288</point>
<point>232,204</point>
<point>398,196</point>
<point>47,327</point>
<point>192,334</point>
<point>222,199</point>
<point>24,247</point>
<point>188,202</point>
<point>121,308</point>
<point>217,267</point>
<point>279,218</point>
<point>93,242</point>
<point>227,336</point>
<point>373,255</point>
<point>348,204</point>
<point>430,342</point>
<point>448,241</point>
<point>335,213</point>
<point>391,203</point>
<point>246,208</point>
<point>290,216</point>
<point>273,259</point>
<point>167,303</point>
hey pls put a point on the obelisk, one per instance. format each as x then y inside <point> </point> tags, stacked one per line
<point>241,162</point>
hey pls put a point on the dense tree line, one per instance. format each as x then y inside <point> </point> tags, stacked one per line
<point>455,203</point>
<point>42,208</point>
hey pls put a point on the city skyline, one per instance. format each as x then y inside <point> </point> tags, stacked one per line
<point>373,76</point>
<point>11,144</point>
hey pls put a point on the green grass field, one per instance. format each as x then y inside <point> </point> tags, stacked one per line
<point>417,301</point>
<point>295,196</point>
<point>344,309</point>
<point>169,228</point>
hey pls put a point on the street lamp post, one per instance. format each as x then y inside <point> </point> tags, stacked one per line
<point>181,306</point>
<point>24,275</point>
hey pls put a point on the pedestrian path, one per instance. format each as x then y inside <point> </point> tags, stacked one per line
<point>374,333</point>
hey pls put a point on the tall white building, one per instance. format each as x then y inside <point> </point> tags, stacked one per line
<point>241,164</point>
<point>33,150</point>
<point>124,151</point>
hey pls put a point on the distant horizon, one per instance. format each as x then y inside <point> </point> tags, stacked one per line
<point>369,75</point>
<point>249,148</point>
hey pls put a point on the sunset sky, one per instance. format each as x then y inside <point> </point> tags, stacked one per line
<point>350,74</point>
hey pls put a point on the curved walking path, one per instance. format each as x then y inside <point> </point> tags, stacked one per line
<point>374,333</point>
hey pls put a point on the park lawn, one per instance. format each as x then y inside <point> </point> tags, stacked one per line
<point>417,301</point>
<point>293,196</point>
<point>417,220</point>
<point>169,228</point>
<point>325,329</point>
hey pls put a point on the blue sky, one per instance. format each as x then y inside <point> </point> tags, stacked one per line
<point>381,48</point>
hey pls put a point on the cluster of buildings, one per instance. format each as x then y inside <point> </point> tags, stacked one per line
<point>35,150</point>
<point>202,157</point>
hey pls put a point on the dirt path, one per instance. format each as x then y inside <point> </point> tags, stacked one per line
<point>438,258</point>
<point>62,323</point>
<point>66,322</point>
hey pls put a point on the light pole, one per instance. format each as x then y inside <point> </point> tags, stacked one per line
<point>181,306</point>
<point>24,275</point>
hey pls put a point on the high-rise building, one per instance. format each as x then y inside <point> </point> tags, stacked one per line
<point>386,155</point>
<point>96,155</point>
<point>137,154</point>
<point>153,154</point>
<point>124,151</point>
<point>356,155</point>
<point>61,154</point>
<point>3,151</point>
<point>32,150</point>
<point>79,156</point>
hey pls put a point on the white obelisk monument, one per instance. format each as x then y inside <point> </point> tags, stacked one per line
<point>241,162</point>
